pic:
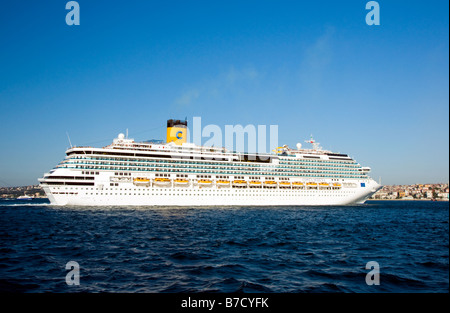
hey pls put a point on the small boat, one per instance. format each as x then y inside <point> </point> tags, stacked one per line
<point>181,182</point>
<point>239,183</point>
<point>160,181</point>
<point>141,181</point>
<point>285,184</point>
<point>223,183</point>
<point>311,185</point>
<point>255,184</point>
<point>324,185</point>
<point>25,197</point>
<point>270,184</point>
<point>298,184</point>
<point>204,182</point>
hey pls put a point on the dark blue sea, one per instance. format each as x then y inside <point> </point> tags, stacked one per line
<point>225,249</point>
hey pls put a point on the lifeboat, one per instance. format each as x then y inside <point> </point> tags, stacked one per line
<point>181,182</point>
<point>239,183</point>
<point>297,184</point>
<point>336,185</point>
<point>204,182</point>
<point>255,183</point>
<point>324,184</point>
<point>311,185</point>
<point>270,183</point>
<point>141,181</point>
<point>223,183</point>
<point>160,181</point>
<point>285,184</point>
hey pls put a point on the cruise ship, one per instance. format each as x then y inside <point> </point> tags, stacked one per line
<point>179,173</point>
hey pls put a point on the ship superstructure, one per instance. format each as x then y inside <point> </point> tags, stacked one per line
<point>177,173</point>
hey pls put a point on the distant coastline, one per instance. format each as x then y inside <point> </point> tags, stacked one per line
<point>33,191</point>
<point>430,192</point>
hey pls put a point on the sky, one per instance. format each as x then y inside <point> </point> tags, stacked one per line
<point>379,93</point>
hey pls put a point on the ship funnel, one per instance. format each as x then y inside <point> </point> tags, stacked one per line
<point>176,131</point>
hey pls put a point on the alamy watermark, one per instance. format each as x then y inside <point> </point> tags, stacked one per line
<point>73,276</point>
<point>373,17</point>
<point>251,139</point>
<point>373,277</point>
<point>73,17</point>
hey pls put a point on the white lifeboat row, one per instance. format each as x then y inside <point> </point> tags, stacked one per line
<point>182,182</point>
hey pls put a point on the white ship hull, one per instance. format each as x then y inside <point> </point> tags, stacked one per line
<point>208,196</point>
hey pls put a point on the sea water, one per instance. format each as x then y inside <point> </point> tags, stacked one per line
<point>225,249</point>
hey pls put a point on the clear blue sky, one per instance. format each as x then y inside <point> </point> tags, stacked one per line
<point>378,93</point>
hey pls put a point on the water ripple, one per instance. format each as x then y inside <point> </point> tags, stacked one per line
<point>246,249</point>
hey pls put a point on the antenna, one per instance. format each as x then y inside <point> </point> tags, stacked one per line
<point>69,139</point>
<point>316,145</point>
<point>127,134</point>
